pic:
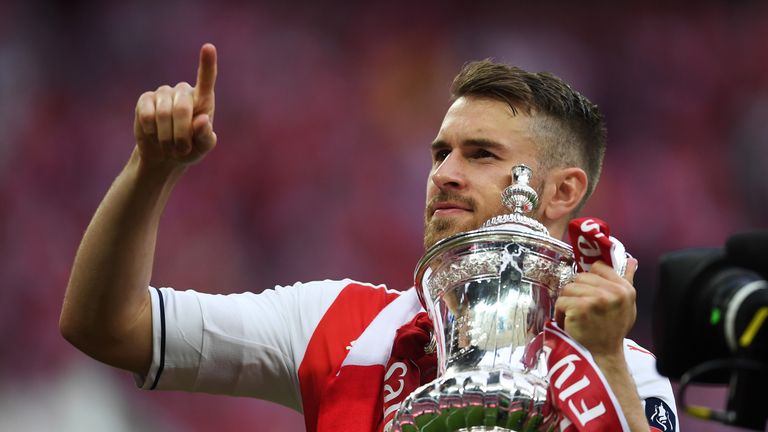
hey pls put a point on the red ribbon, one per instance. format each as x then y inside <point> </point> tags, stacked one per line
<point>577,387</point>
<point>590,238</point>
<point>410,366</point>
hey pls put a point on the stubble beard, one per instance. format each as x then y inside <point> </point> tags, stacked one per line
<point>436,229</point>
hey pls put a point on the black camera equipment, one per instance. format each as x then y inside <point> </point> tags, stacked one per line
<point>710,325</point>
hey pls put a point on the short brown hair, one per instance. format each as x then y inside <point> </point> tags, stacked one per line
<point>569,129</point>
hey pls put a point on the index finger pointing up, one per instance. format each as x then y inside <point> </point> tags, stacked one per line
<point>206,71</point>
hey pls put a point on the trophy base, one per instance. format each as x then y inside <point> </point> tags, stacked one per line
<point>477,401</point>
<point>483,429</point>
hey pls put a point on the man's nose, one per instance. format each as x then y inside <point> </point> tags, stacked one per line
<point>450,173</point>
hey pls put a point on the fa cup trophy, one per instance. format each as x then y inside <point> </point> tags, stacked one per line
<point>489,292</point>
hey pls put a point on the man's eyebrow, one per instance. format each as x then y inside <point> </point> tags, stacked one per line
<point>483,143</point>
<point>439,145</point>
<point>472,142</point>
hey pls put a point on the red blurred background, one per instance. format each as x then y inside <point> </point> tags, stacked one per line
<point>325,113</point>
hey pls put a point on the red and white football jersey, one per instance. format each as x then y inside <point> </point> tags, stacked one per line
<point>284,344</point>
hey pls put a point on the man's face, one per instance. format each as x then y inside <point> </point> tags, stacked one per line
<point>479,142</point>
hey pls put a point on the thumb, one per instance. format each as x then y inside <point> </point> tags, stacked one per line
<point>629,273</point>
<point>203,136</point>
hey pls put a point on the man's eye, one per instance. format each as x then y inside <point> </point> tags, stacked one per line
<point>441,155</point>
<point>482,154</point>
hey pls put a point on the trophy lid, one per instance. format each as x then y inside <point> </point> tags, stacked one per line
<point>522,199</point>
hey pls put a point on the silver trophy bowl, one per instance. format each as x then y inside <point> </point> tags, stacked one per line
<point>489,293</point>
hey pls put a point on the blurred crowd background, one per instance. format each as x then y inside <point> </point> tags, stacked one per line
<point>325,113</point>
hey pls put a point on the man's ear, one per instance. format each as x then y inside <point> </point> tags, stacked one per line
<point>565,188</point>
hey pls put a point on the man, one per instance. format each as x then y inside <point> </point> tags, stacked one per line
<point>288,345</point>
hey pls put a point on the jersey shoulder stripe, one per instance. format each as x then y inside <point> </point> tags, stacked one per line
<point>342,323</point>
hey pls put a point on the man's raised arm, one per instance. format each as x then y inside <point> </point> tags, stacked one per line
<point>106,311</point>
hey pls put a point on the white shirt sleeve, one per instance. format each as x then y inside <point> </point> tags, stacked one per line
<point>655,391</point>
<point>238,344</point>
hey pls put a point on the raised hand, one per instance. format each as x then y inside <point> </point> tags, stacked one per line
<point>174,125</point>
